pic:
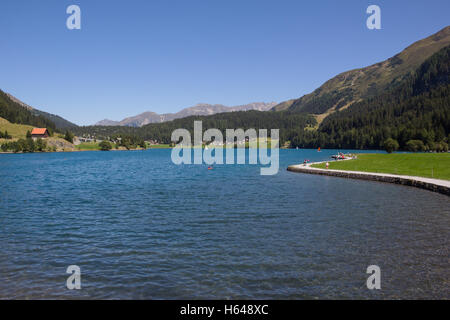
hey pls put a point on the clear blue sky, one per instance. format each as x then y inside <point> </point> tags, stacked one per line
<point>162,55</point>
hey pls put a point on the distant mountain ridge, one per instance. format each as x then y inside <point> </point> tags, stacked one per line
<point>201,109</point>
<point>355,85</point>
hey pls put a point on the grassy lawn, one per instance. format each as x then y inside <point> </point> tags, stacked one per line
<point>88,146</point>
<point>429,165</point>
<point>17,131</point>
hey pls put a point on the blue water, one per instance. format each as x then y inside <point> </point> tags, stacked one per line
<point>141,227</point>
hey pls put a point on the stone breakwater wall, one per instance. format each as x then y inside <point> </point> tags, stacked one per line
<point>440,186</point>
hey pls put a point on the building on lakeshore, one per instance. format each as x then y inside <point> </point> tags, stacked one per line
<point>39,133</point>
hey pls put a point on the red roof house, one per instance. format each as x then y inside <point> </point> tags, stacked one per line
<point>39,133</point>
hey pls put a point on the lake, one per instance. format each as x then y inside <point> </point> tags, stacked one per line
<point>140,227</point>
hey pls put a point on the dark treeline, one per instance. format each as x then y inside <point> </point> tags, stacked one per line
<point>129,141</point>
<point>416,114</point>
<point>288,123</point>
<point>25,145</point>
<point>15,113</point>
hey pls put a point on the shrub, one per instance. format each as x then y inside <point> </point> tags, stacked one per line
<point>69,136</point>
<point>5,135</point>
<point>41,145</point>
<point>441,146</point>
<point>415,146</point>
<point>391,145</point>
<point>105,146</point>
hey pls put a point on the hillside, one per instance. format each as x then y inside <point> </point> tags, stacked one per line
<point>17,131</point>
<point>353,86</point>
<point>415,113</point>
<point>60,123</point>
<point>201,109</point>
<point>18,113</point>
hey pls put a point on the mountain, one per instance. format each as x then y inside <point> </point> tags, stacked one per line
<point>352,86</point>
<point>201,109</point>
<point>17,112</point>
<point>107,122</point>
<point>415,113</point>
<point>59,122</point>
<point>162,132</point>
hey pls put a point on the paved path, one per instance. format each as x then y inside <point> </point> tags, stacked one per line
<point>436,185</point>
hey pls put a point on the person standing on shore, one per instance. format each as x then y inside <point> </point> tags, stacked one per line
<point>327,165</point>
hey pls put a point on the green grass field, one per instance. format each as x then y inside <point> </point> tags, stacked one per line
<point>91,146</point>
<point>429,165</point>
<point>17,131</point>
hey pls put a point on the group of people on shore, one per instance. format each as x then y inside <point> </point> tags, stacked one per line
<point>339,156</point>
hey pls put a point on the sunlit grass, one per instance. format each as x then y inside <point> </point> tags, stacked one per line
<point>430,165</point>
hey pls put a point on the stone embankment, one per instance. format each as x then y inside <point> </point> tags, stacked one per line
<point>436,185</point>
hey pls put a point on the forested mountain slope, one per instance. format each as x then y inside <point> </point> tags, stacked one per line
<point>60,123</point>
<point>416,110</point>
<point>352,86</point>
<point>15,112</point>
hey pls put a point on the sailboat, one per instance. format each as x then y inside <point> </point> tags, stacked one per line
<point>318,150</point>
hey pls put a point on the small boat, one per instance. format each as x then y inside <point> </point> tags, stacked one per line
<point>210,168</point>
<point>318,150</point>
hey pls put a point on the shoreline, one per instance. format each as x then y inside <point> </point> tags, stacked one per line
<point>71,151</point>
<point>434,185</point>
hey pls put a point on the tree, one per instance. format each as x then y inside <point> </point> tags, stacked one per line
<point>105,146</point>
<point>69,136</point>
<point>41,145</point>
<point>415,145</point>
<point>28,134</point>
<point>27,145</point>
<point>441,146</point>
<point>142,144</point>
<point>5,135</point>
<point>391,145</point>
<point>17,146</point>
